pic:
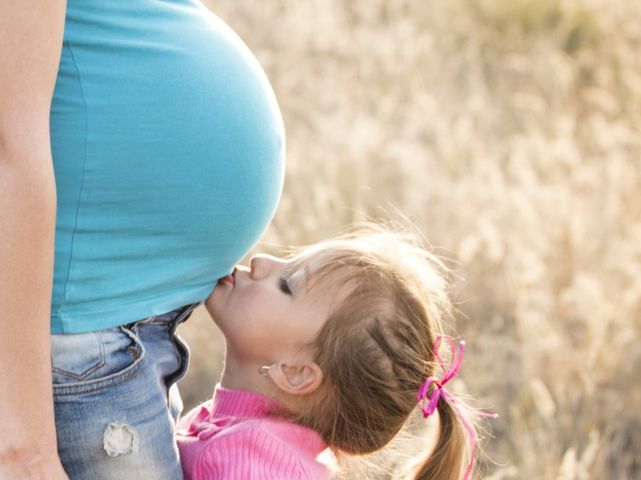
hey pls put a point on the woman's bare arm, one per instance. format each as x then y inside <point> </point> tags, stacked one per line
<point>30,45</point>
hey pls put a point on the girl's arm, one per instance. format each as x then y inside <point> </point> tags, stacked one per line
<point>30,44</point>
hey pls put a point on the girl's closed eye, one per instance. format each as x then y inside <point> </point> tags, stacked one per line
<point>284,286</point>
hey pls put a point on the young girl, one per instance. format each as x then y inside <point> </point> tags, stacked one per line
<point>335,347</point>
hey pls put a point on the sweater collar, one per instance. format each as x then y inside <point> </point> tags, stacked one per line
<point>239,403</point>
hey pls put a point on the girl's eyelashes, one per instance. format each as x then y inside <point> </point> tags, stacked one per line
<point>284,286</point>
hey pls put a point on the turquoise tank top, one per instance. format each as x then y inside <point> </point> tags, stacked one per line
<point>168,151</point>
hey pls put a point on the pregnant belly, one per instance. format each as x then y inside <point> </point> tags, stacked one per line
<point>168,147</point>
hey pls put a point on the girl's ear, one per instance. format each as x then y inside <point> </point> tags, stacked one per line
<point>296,379</point>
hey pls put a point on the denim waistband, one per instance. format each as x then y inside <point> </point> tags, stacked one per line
<point>175,316</point>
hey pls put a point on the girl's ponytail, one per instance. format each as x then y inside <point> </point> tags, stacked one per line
<point>456,425</point>
<point>448,457</point>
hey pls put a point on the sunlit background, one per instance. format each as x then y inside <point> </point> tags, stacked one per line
<point>509,132</point>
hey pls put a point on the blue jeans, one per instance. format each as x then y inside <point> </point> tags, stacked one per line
<point>116,402</point>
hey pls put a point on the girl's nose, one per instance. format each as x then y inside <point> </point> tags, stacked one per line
<point>261,266</point>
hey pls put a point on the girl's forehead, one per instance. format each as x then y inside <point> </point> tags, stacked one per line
<point>310,267</point>
<point>322,277</point>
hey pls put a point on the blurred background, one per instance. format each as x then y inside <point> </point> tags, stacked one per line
<point>508,131</point>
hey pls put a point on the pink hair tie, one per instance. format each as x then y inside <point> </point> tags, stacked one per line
<point>432,389</point>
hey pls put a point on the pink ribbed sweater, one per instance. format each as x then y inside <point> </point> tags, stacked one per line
<point>234,437</point>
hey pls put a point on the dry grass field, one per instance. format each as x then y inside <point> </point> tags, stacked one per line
<point>509,132</point>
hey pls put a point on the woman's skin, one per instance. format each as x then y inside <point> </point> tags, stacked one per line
<point>30,45</point>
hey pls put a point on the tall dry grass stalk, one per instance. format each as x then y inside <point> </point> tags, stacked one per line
<point>509,132</point>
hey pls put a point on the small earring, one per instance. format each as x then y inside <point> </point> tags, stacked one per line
<point>264,370</point>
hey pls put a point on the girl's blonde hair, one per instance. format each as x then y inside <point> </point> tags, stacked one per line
<point>377,346</point>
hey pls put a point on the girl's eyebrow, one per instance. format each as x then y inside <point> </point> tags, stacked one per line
<point>298,278</point>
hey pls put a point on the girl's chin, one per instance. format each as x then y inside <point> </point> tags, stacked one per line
<point>209,303</point>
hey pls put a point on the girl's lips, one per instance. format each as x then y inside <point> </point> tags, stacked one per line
<point>229,278</point>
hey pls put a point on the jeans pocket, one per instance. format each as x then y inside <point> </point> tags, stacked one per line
<point>94,361</point>
<point>182,350</point>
